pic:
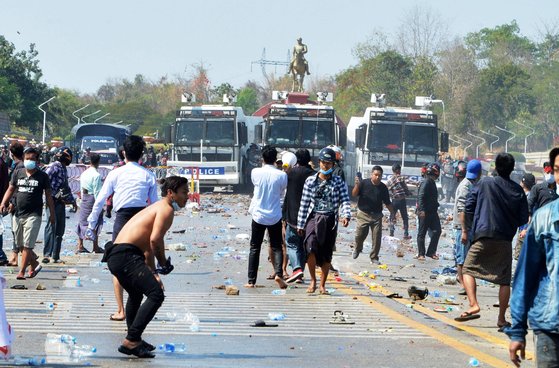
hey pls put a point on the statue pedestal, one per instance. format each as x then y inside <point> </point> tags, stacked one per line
<point>297,97</point>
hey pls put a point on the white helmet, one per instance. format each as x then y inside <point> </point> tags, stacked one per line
<point>338,150</point>
<point>288,158</point>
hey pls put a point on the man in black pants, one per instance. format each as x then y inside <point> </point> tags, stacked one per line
<point>132,261</point>
<point>427,206</point>
<point>133,188</point>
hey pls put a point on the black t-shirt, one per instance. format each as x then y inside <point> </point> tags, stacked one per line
<point>29,192</point>
<point>371,197</point>
<point>295,183</point>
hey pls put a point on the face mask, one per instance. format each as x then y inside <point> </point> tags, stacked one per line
<point>175,205</point>
<point>327,172</point>
<point>29,164</point>
<point>549,178</point>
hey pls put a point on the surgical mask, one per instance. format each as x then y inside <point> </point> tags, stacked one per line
<point>549,178</point>
<point>175,205</point>
<point>327,172</point>
<point>29,164</point>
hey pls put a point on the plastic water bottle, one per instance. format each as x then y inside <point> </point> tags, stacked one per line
<point>278,292</point>
<point>195,326</point>
<point>81,351</point>
<point>170,347</point>
<point>78,282</point>
<point>60,345</point>
<point>228,281</point>
<point>34,361</point>
<point>276,316</point>
<point>473,362</point>
<point>49,306</point>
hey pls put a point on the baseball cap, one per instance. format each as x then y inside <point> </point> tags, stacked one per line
<point>473,169</point>
<point>529,180</point>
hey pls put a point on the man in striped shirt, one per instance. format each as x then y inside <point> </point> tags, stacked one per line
<point>399,191</point>
<point>317,220</point>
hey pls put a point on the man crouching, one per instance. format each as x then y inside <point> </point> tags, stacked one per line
<point>132,261</point>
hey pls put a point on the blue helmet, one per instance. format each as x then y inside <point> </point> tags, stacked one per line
<point>327,155</point>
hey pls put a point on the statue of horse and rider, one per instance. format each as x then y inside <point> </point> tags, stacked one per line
<point>298,66</point>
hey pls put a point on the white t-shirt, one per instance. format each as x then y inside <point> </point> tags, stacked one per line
<point>269,187</point>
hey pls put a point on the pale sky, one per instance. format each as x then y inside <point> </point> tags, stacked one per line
<point>83,44</point>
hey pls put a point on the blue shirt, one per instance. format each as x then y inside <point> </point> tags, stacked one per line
<point>269,189</point>
<point>59,179</point>
<point>132,186</point>
<point>90,180</point>
<point>535,292</point>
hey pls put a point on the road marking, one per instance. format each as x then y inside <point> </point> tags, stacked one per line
<point>445,339</point>
<point>79,311</point>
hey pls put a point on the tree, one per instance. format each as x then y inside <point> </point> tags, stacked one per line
<point>216,94</point>
<point>501,45</point>
<point>248,100</point>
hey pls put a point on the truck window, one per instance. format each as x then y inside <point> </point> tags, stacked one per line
<point>318,133</point>
<point>385,137</point>
<point>282,132</point>
<point>421,139</point>
<point>190,132</point>
<point>220,132</point>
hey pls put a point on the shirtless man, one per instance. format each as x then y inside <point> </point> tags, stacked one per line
<point>132,261</point>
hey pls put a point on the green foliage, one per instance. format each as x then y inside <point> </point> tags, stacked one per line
<point>248,100</point>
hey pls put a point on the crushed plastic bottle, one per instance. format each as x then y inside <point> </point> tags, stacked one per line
<point>228,281</point>
<point>172,347</point>
<point>279,292</point>
<point>274,316</point>
<point>473,362</point>
<point>34,361</point>
<point>81,351</point>
<point>59,345</point>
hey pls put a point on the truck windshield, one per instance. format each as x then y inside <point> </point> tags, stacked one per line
<point>283,132</point>
<point>213,132</point>
<point>318,133</point>
<point>99,143</point>
<point>421,138</point>
<point>385,137</point>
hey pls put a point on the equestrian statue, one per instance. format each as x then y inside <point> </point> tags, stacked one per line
<point>298,66</point>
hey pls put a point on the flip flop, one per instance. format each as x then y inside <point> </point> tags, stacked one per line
<point>19,287</point>
<point>35,271</point>
<point>271,277</point>
<point>502,328</point>
<point>394,296</point>
<point>20,277</point>
<point>262,323</point>
<point>467,316</point>
<point>113,318</point>
<point>140,351</point>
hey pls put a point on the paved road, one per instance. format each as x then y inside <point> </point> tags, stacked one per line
<point>387,332</point>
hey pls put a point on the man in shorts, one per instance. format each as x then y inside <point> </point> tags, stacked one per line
<point>28,185</point>
<point>131,259</point>
<point>317,220</point>
<point>498,206</point>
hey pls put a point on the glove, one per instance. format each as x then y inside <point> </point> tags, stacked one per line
<point>167,269</point>
<point>90,234</point>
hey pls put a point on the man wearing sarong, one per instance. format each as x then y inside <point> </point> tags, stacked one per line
<point>498,206</point>
<point>90,184</point>
<point>317,220</point>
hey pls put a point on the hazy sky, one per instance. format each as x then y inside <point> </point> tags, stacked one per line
<point>82,44</point>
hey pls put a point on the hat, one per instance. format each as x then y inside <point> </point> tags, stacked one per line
<point>473,169</point>
<point>529,180</point>
<point>547,167</point>
<point>289,159</point>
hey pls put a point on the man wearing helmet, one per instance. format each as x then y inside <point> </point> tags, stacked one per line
<point>427,206</point>
<point>62,195</point>
<point>317,220</point>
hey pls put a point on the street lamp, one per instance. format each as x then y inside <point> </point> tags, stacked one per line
<point>510,139</point>
<point>470,143</point>
<point>99,118</point>
<point>479,145</point>
<point>93,113</point>
<point>525,138</point>
<point>45,116</point>
<point>492,135</point>
<point>80,109</point>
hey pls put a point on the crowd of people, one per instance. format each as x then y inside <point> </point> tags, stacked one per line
<point>300,208</point>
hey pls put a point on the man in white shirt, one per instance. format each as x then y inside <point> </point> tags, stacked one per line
<point>269,186</point>
<point>90,185</point>
<point>133,188</point>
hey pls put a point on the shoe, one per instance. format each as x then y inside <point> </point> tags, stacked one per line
<point>355,254</point>
<point>83,250</point>
<point>391,233</point>
<point>407,237</point>
<point>99,250</point>
<point>332,268</point>
<point>46,260</point>
<point>58,261</point>
<point>375,262</point>
<point>298,274</point>
<point>140,351</point>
